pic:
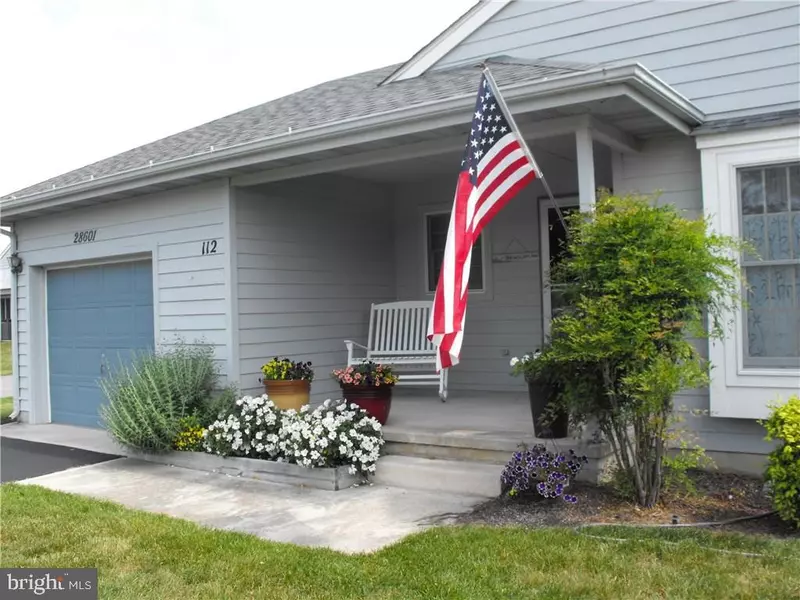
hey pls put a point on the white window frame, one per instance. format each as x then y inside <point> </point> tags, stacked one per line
<point>737,391</point>
<point>544,253</point>
<point>484,293</point>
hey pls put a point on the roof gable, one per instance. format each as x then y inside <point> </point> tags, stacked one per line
<point>443,43</point>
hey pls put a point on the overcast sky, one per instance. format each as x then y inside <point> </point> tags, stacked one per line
<point>81,80</point>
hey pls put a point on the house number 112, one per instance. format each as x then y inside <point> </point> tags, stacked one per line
<point>209,247</point>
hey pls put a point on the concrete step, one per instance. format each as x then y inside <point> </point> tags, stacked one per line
<point>491,449</point>
<point>453,476</point>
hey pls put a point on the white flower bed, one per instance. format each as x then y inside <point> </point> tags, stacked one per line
<point>333,434</point>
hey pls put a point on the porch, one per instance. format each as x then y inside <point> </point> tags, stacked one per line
<point>315,252</point>
<point>318,238</point>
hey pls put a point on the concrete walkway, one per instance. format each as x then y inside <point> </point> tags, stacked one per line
<point>361,519</point>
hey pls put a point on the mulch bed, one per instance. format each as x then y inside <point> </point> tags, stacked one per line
<point>719,497</point>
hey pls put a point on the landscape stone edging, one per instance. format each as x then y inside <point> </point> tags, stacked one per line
<point>333,479</point>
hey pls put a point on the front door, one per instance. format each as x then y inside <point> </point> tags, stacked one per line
<point>553,244</point>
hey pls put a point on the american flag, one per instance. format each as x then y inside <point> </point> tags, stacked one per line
<point>494,168</point>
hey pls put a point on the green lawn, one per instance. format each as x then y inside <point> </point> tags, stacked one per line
<point>5,358</point>
<point>141,555</point>
<point>6,406</point>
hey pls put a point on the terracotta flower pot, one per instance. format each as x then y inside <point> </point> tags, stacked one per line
<point>540,396</point>
<point>376,400</point>
<point>288,394</point>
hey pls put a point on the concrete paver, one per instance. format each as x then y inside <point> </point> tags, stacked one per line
<point>360,519</point>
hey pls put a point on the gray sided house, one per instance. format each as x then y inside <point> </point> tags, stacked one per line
<point>273,230</point>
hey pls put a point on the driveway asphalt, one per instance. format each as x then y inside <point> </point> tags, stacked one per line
<point>20,459</point>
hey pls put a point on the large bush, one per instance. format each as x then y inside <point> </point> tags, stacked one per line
<point>640,281</point>
<point>148,398</point>
<point>783,471</point>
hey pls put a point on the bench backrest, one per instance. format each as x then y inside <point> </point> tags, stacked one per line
<point>400,329</point>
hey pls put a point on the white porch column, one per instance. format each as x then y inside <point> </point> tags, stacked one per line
<point>585,153</point>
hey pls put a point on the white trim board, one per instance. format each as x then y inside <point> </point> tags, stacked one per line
<point>451,37</point>
<point>737,391</point>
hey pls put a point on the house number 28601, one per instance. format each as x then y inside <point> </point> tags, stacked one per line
<point>209,247</point>
<point>81,237</point>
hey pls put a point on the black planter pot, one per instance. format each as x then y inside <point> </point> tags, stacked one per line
<point>540,395</point>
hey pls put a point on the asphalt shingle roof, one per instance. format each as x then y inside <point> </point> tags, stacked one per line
<point>785,117</point>
<point>358,95</point>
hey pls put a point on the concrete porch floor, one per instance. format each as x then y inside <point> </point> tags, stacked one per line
<point>499,421</point>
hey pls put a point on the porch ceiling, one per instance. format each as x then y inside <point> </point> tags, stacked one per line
<point>425,167</point>
<point>427,152</point>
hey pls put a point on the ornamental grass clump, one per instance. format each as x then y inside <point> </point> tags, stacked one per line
<point>549,474</point>
<point>148,397</point>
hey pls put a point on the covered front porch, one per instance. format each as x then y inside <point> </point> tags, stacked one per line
<point>315,252</point>
<point>319,238</point>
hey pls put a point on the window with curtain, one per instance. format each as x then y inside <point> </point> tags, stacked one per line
<point>769,208</point>
<point>436,233</point>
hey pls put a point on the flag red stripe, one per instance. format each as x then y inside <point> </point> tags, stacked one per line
<point>486,169</point>
<point>503,200</point>
<point>498,180</point>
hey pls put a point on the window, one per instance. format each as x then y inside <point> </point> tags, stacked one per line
<point>751,190</point>
<point>436,226</point>
<point>769,207</point>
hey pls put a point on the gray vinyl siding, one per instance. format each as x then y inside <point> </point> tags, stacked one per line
<point>730,58</point>
<point>508,316</point>
<point>312,256</point>
<point>671,166</point>
<point>169,227</point>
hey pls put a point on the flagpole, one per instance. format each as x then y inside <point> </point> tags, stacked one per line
<point>525,148</point>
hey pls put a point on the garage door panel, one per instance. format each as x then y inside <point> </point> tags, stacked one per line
<point>85,321</point>
<point>61,362</point>
<point>100,315</point>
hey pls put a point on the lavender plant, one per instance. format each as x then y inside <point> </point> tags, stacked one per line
<point>548,473</point>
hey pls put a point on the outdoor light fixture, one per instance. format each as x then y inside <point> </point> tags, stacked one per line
<point>15,261</point>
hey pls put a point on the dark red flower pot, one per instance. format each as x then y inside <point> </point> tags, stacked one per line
<point>376,400</point>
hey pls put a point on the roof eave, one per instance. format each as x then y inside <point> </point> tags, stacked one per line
<point>633,80</point>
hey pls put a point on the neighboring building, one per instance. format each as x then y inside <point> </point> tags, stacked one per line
<point>273,230</point>
<point>5,295</point>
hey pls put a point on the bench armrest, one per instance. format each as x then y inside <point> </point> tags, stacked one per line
<point>350,347</point>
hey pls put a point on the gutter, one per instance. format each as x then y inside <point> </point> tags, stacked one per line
<point>356,130</point>
<point>12,235</point>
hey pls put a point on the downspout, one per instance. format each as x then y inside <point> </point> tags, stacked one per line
<point>12,235</point>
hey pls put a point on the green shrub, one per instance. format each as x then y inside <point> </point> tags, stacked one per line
<point>217,405</point>
<point>783,471</point>
<point>640,281</point>
<point>148,398</point>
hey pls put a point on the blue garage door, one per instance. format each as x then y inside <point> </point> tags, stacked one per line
<point>95,316</point>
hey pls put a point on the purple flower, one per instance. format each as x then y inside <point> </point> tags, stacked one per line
<point>570,498</point>
<point>559,489</point>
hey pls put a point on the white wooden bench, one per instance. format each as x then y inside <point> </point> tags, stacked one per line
<point>398,337</point>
